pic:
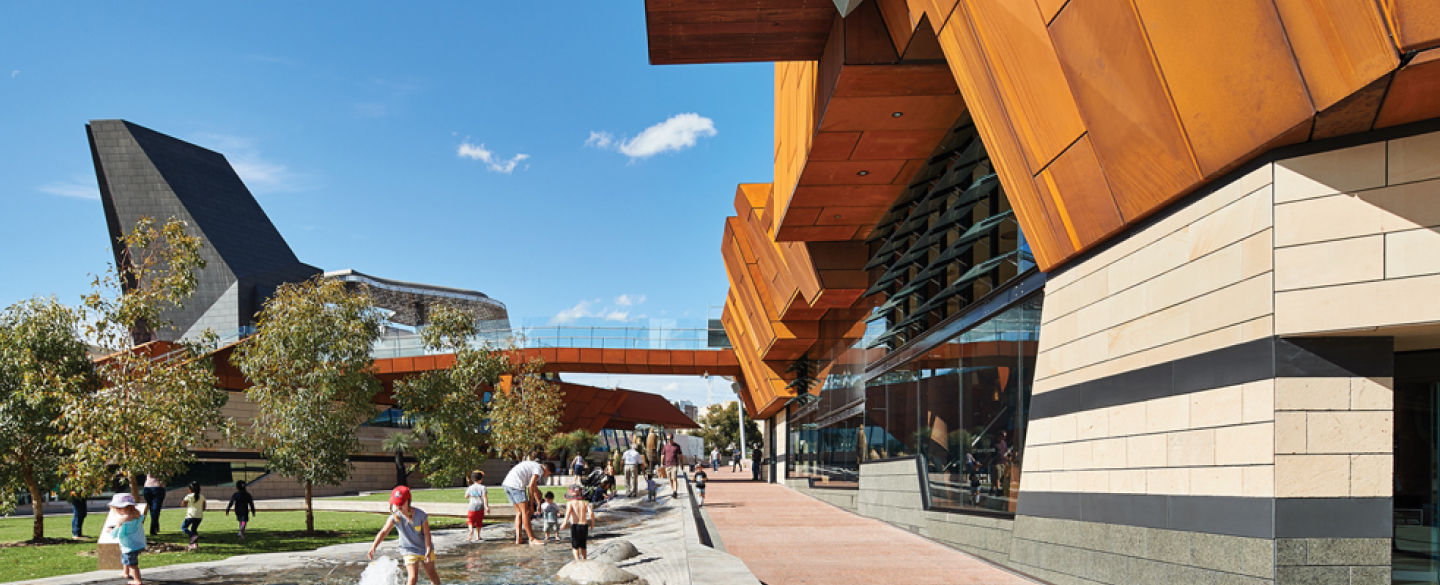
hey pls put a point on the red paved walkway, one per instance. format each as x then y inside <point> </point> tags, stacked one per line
<point>790,539</point>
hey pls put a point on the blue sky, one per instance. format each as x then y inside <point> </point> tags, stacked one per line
<point>526,150</point>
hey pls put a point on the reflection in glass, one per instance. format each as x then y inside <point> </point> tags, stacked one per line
<point>974,392</point>
<point>1416,554</point>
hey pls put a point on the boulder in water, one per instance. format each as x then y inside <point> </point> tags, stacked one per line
<point>615,551</point>
<point>593,572</point>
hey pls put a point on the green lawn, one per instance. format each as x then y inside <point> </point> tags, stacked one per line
<point>455,495</point>
<point>267,532</point>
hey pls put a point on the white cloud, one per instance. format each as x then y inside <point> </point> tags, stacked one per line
<point>14,73</point>
<point>260,174</point>
<point>628,300</point>
<point>619,310</point>
<point>676,133</point>
<point>75,189</point>
<point>485,155</point>
<point>600,139</point>
<point>580,310</point>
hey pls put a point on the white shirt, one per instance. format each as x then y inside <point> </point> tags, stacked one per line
<point>632,457</point>
<point>519,476</point>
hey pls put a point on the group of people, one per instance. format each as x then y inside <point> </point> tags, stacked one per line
<point>671,468</point>
<point>129,530</point>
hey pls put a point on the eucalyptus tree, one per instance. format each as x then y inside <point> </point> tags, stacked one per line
<point>155,401</point>
<point>525,413</point>
<point>308,364</point>
<point>43,364</point>
<point>449,406</point>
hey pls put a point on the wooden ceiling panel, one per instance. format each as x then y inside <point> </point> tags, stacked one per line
<point>1412,95</point>
<point>1341,45</point>
<point>851,172</point>
<point>1027,73</point>
<point>1230,71</point>
<point>1131,122</point>
<point>711,31</point>
<point>837,233</point>
<point>893,80</point>
<point>1415,23</point>
<point>896,144</point>
<point>924,112</point>
<point>852,195</point>
<point>833,145</point>
<point>838,215</point>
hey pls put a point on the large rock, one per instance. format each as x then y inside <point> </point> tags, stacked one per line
<point>593,572</point>
<point>615,551</point>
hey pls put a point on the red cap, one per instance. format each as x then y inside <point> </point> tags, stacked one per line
<point>400,496</point>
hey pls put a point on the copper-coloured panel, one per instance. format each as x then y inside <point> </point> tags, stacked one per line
<point>893,80</point>
<point>1028,76</point>
<point>1341,45</point>
<point>1050,8</point>
<point>1230,71</point>
<point>1075,178</point>
<point>1416,23</point>
<point>837,215</point>
<point>815,233</point>
<point>1353,114</point>
<point>1132,124</point>
<point>962,51</point>
<point>856,195</point>
<point>897,21</point>
<point>1412,95</point>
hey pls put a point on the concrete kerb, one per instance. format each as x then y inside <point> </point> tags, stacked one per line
<point>709,564</point>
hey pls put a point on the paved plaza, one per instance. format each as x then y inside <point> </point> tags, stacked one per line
<point>790,539</point>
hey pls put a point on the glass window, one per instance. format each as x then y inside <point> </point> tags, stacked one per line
<point>1415,556</point>
<point>974,410</point>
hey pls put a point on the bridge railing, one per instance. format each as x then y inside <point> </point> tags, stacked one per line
<point>409,345</point>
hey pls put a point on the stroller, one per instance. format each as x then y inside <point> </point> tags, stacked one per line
<point>594,486</point>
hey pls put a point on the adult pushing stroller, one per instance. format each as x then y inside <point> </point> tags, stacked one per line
<point>595,486</point>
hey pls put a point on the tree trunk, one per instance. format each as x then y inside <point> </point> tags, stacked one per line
<point>37,505</point>
<point>135,484</point>
<point>400,475</point>
<point>309,512</point>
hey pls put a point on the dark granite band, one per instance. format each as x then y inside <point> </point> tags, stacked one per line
<point>1261,359</point>
<point>1233,516</point>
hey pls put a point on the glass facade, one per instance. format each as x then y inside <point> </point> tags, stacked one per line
<point>826,436</point>
<point>1416,553</point>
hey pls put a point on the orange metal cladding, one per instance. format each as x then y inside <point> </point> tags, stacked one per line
<point>701,31</point>
<point>853,128</point>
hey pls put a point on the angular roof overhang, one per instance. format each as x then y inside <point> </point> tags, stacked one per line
<point>728,31</point>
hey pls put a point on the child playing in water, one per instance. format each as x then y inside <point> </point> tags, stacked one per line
<point>131,535</point>
<point>650,486</point>
<point>194,504</point>
<point>551,512</point>
<point>478,508</point>
<point>412,526</point>
<point>581,518</point>
<point>244,506</point>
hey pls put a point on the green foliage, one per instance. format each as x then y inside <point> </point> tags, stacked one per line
<point>563,446</point>
<point>524,417</point>
<point>309,368</point>
<point>449,405</point>
<point>720,427</point>
<point>43,364</point>
<point>155,403</point>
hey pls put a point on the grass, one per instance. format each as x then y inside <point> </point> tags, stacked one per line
<point>267,532</point>
<point>454,495</point>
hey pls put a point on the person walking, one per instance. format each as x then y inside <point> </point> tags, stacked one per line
<point>244,505</point>
<point>670,458</point>
<point>154,494</point>
<point>633,461</point>
<point>523,480</point>
<point>736,459</point>
<point>715,458</point>
<point>78,512</point>
<point>194,503</point>
<point>577,465</point>
<point>755,462</point>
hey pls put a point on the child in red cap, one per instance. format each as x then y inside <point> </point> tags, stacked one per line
<point>412,526</point>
